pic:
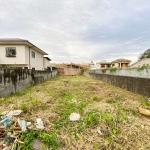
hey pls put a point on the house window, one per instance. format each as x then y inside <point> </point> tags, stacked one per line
<point>33,54</point>
<point>11,51</point>
<point>102,66</point>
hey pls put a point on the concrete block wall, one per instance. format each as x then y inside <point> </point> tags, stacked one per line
<point>131,72</point>
<point>72,71</point>
<point>134,84</point>
<point>14,80</point>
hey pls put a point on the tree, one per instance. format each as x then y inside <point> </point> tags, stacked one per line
<point>146,54</point>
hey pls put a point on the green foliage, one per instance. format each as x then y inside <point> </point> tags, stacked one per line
<point>146,54</point>
<point>64,112</point>
<point>115,131</point>
<point>134,111</point>
<point>83,70</point>
<point>97,98</point>
<point>107,117</point>
<point>111,100</point>
<point>142,68</point>
<point>114,100</point>
<point>50,140</point>
<point>103,70</point>
<point>24,107</point>
<point>112,69</point>
<point>19,94</point>
<point>144,102</point>
<point>28,139</point>
<point>92,118</point>
<point>2,100</point>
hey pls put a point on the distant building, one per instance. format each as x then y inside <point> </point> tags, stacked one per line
<point>118,63</point>
<point>142,62</point>
<point>103,64</point>
<point>20,53</point>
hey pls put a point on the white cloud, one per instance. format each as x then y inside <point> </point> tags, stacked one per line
<point>81,30</point>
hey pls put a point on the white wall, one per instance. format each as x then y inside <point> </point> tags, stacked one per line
<point>27,56</point>
<point>116,65</point>
<point>142,62</point>
<point>46,63</point>
<point>20,55</point>
<point>98,66</point>
<point>37,62</point>
<point>131,72</point>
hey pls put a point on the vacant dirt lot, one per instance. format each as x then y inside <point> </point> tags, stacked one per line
<point>109,118</point>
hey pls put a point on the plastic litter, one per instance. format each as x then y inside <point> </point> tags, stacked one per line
<point>148,99</point>
<point>11,113</point>
<point>143,111</point>
<point>23,125</point>
<point>38,145</point>
<point>29,124</point>
<point>74,101</point>
<point>99,131</point>
<point>74,117</point>
<point>9,139</point>
<point>7,148</point>
<point>39,124</point>
<point>5,121</point>
<point>17,112</point>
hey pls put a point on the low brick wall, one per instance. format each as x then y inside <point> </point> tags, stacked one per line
<point>14,80</point>
<point>72,71</point>
<point>134,84</point>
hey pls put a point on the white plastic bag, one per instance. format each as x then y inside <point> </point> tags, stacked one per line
<point>74,117</point>
<point>39,124</point>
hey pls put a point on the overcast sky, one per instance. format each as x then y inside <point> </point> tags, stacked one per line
<point>79,30</point>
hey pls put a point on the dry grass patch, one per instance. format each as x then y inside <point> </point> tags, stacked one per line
<point>102,107</point>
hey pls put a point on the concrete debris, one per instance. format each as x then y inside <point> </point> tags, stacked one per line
<point>38,145</point>
<point>74,117</point>
<point>144,112</point>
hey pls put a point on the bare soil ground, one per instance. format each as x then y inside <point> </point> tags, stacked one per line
<point>109,116</point>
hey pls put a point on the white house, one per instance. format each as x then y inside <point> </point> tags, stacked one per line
<point>103,64</point>
<point>120,63</point>
<point>47,62</point>
<point>21,53</point>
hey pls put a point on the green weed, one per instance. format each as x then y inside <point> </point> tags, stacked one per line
<point>107,117</point>
<point>50,140</point>
<point>111,101</point>
<point>92,118</point>
<point>96,98</point>
<point>19,94</point>
<point>112,69</point>
<point>134,111</point>
<point>24,107</point>
<point>144,102</point>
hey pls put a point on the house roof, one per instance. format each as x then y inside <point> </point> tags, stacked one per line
<point>17,41</point>
<point>121,60</point>
<point>104,63</point>
<point>48,58</point>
